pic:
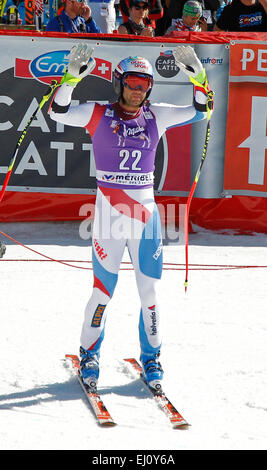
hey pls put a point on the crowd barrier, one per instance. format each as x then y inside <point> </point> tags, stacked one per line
<point>54,175</point>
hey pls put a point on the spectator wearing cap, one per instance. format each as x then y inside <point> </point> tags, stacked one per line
<point>209,10</point>
<point>243,16</point>
<point>191,20</point>
<point>136,23</point>
<point>75,18</point>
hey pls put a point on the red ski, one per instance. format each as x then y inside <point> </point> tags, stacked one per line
<point>175,418</point>
<point>102,415</point>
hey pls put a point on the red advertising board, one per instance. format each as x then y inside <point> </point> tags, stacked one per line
<point>246,139</point>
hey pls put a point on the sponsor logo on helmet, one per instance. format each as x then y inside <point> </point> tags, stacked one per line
<point>139,63</point>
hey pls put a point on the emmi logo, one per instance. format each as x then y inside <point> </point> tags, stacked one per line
<point>98,316</point>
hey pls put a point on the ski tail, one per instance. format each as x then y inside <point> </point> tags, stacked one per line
<point>176,419</point>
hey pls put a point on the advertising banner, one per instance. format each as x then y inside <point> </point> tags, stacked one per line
<point>58,160</point>
<point>246,138</point>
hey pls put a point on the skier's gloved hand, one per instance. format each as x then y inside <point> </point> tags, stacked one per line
<point>81,63</point>
<point>186,58</point>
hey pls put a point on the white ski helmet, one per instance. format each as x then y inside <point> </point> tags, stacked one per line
<point>131,65</point>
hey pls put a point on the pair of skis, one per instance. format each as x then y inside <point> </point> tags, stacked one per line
<point>102,414</point>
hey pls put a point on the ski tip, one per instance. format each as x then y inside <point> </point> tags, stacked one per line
<point>108,424</point>
<point>71,356</point>
<point>183,426</point>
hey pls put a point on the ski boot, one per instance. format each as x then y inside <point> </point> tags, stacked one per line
<point>152,371</point>
<point>89,367</point>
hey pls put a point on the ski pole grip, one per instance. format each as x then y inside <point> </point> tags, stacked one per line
<point>53,85</point>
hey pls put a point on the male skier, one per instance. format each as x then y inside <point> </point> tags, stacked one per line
<point>125,135</point>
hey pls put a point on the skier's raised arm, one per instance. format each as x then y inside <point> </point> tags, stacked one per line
<point>187,60</point>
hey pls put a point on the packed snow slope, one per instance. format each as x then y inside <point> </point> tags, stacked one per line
<point>214,345</point>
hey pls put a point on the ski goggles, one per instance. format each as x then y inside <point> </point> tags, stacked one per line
<point>138,81</point>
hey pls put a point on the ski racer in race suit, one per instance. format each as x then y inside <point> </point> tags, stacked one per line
<point>125,135</point>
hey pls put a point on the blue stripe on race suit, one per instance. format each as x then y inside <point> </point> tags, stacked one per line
<point>199,116</point>
<point>146,348</point>
<point>108,279</point>
<point>97,345</point>
<point>150,248</point>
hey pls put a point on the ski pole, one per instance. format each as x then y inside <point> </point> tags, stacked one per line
<point>54,84</point>
<point>2,8</point>
<point>191,194</point>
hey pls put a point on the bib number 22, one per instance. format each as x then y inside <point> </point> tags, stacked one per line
<point>127,157</point>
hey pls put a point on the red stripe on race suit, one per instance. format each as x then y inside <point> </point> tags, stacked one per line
<point>125,204</point>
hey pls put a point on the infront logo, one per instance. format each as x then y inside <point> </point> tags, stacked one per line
<point>211,60</point>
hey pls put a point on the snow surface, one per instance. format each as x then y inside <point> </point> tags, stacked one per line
<point>214,350</point>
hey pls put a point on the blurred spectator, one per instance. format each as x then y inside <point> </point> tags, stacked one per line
<point>12,16</point>
<point>209,9</point>
<point>138,10</point>
<point>243,15</point>
<point>9,3</point>
<point>20,4</point>
<point>220,9</point>
<point>2,249</point>
<point>75,18</point>
<point>104,14</point>
<point>155,11</point>
<point>192,19</point>
<point>163,23</point>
